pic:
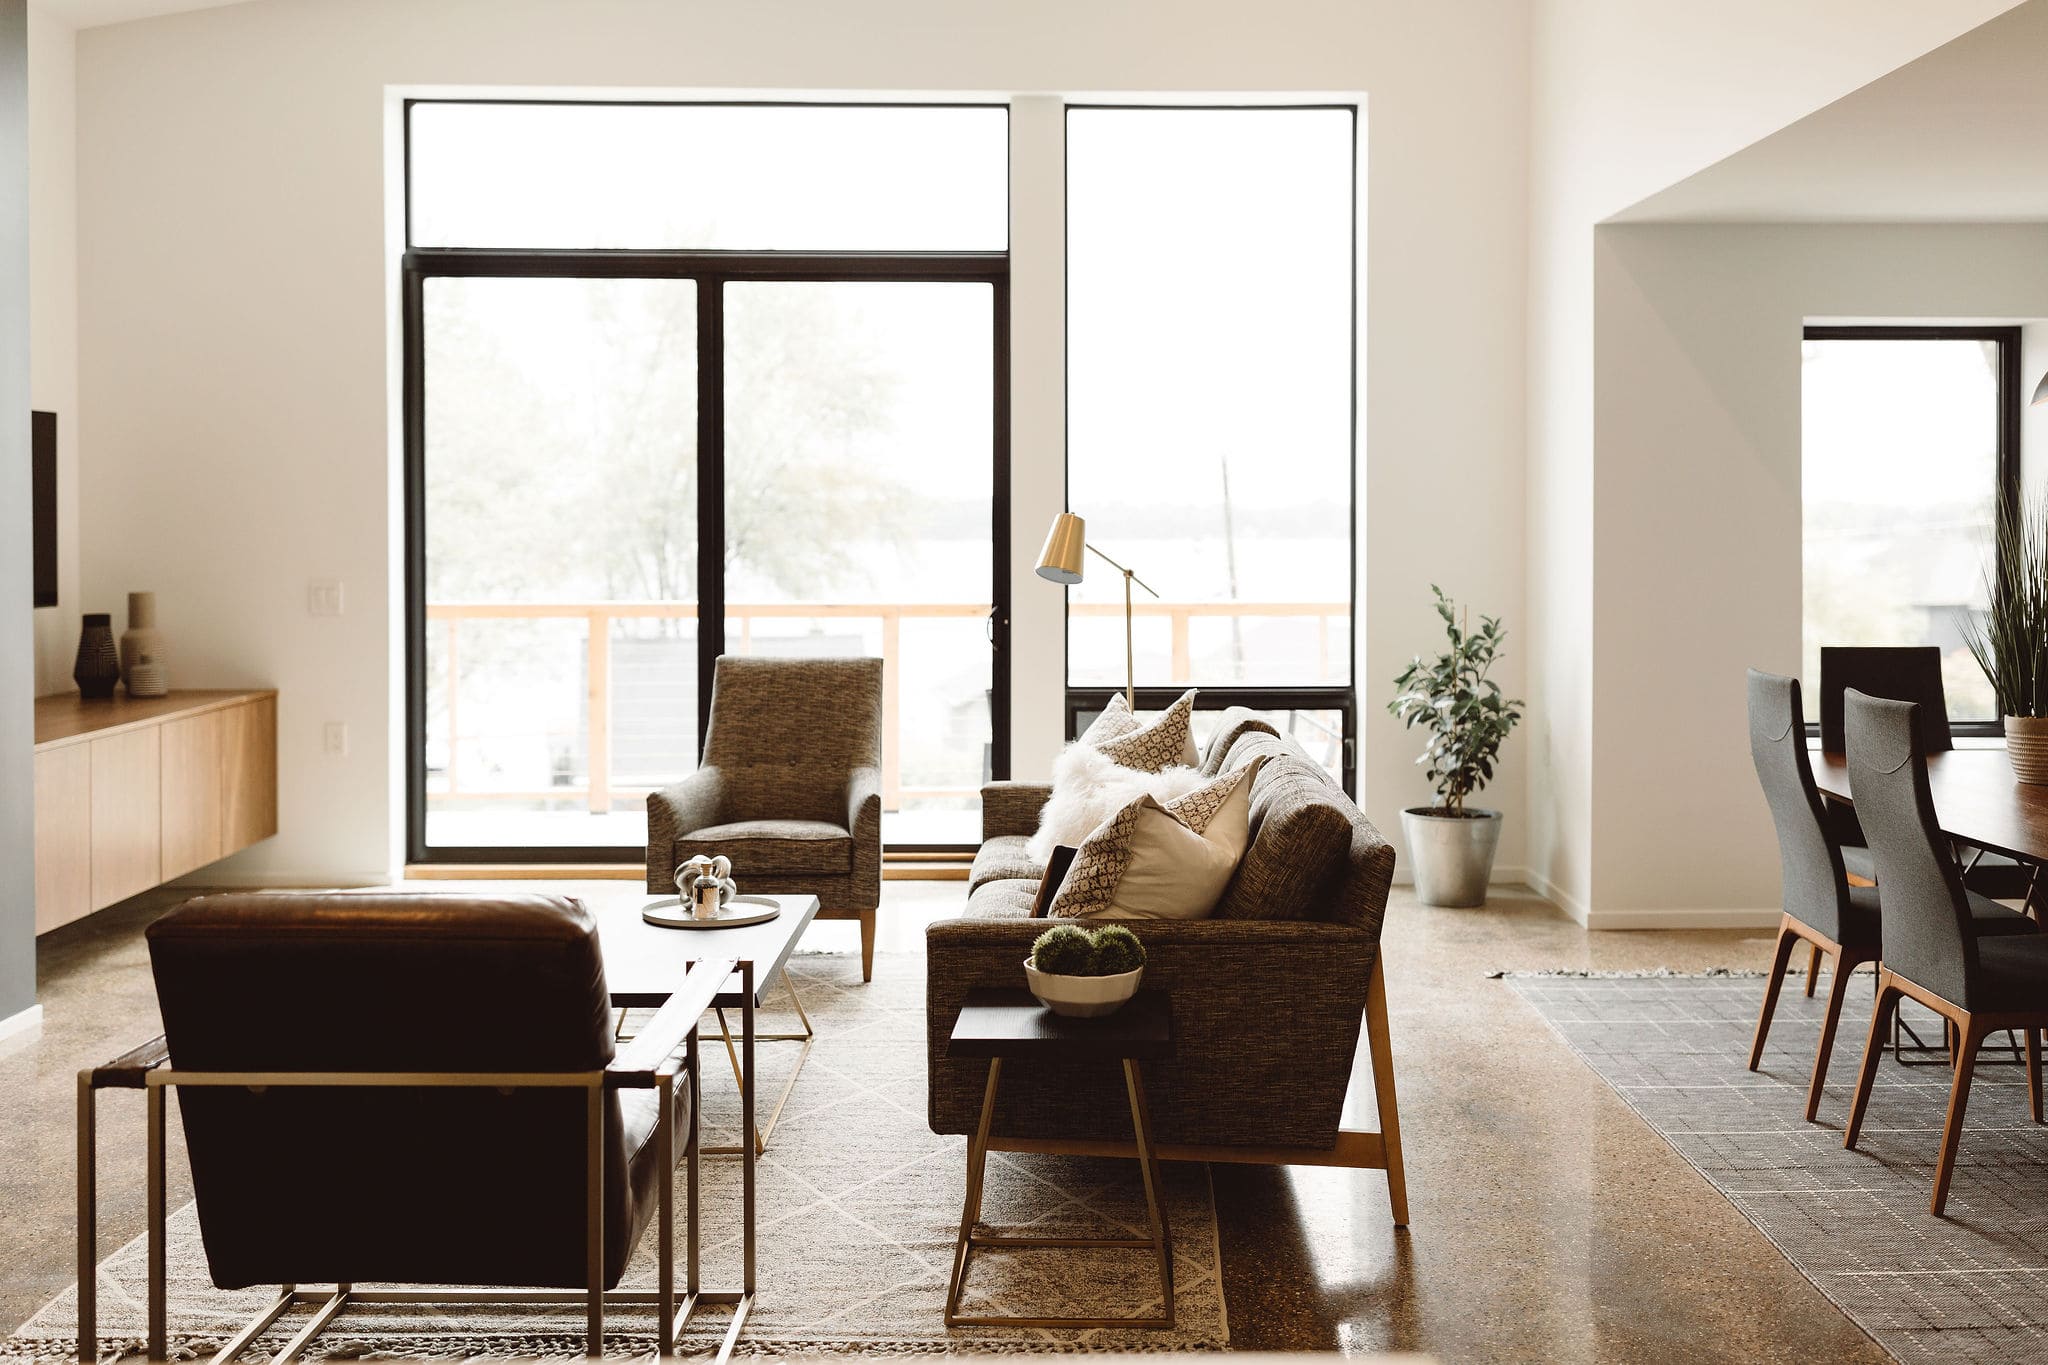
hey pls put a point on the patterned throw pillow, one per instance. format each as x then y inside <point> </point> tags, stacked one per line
<point>1166,742</point>
<point>1154,861</point>
<point>1115,721</point>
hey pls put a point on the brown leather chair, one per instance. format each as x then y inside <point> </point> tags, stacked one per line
<point>415,1090</point>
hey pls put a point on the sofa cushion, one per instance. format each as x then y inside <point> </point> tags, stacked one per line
<point>1008,898</point>
<point>772,847</point>
<point>1003,858</point>
<point>1236,723</point>
<point>1301,830</point>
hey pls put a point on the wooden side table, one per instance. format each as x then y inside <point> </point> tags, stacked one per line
<point>1000,1024</point>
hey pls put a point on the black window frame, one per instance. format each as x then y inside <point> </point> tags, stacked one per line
<point>2007,337</point>
<point>711,270</point>
<point>1343,698</point>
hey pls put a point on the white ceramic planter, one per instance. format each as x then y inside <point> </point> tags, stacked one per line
<point>1083,997</point>
<point>1452,856</point>
<point>2026,744</point>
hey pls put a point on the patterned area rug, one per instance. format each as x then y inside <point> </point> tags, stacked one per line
<point>859,1206</point>
<point>1971,1286</point>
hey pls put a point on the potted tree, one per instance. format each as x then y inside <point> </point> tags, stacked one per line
<point>2011,642</point>
<point>1466,719</point>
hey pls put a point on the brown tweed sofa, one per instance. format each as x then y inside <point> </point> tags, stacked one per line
<point>790,788</point>
<point>1268,993</point>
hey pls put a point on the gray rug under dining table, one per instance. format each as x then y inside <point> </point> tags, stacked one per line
<point>1970,1286</point>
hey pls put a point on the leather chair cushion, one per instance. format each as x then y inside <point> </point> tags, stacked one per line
<point>773,847</point>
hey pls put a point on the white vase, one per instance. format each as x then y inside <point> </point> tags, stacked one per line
<point>143,669</point>
<point>2026,744</point>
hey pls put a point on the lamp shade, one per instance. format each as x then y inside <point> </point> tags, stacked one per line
<point>1060,560</point>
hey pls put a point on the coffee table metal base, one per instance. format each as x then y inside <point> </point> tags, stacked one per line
<point>1160,1242</point>
<point>808,1036</point>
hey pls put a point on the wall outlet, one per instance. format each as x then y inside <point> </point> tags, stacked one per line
<point>334,737</point>
<point>323,597</point>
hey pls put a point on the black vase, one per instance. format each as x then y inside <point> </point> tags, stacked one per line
<point>99,661</point>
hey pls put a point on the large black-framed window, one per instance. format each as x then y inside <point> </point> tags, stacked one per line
<point>712,283</point>
<point>1262,364</point>
<point>1910,451</point>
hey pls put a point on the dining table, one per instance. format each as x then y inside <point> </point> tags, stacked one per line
<point>1977,801</point>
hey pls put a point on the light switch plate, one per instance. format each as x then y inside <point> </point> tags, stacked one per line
<point>334,737</point>
<point>323,597</point>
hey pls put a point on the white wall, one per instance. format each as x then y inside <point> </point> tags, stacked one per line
<point>53,315</point>
<point>1628,96</point>
<point>1698,542</point>
<point>234,302</point>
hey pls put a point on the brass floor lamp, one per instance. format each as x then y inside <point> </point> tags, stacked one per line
<point>1061,561</point>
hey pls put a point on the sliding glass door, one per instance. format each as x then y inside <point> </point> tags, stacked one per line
<point>641,438</point>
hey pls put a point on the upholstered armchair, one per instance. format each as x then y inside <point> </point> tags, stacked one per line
<point>434,1104</point>
<point>790,788</point>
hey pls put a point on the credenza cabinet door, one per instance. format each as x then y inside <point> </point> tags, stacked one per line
<point>249,773</point>
<point>194,806</point>
<point>63,836</point>
<point>127,814</point>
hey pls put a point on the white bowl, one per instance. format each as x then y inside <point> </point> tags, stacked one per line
<point>1082,997</point>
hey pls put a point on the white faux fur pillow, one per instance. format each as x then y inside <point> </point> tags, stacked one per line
<point>1088,787</point>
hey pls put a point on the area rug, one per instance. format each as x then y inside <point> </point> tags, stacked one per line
<point>859,1206</point>
<point>1970,1286</point>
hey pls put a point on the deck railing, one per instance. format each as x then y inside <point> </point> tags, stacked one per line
<point>600,791</point>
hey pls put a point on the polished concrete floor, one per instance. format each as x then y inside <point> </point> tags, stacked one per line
<point>1546,1223</point>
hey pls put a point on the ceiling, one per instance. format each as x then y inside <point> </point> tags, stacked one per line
<point>1960,135</point>
<point>93,13</point>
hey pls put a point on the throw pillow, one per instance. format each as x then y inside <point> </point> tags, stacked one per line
<point>1162,861</point>
<point>1088,787</point>
<point>1116,720</point>
<point>1167,741</point>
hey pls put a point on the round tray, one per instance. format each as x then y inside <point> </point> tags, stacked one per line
<point>673,912</point>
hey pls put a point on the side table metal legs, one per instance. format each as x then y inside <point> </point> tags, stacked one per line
<point>1160,1242</point>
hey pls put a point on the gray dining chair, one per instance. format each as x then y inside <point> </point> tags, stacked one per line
<point>1933,952</point>
<point>1821,908</point>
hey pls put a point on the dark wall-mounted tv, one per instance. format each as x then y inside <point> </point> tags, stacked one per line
<point>43,502</point>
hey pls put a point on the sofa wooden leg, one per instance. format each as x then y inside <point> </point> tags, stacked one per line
<point>1381,1041</point>
<point>867,945</point>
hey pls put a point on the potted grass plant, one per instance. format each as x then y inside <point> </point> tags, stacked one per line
<point>1466,718</point>
<point>2010,643</point>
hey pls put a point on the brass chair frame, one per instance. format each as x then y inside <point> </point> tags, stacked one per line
<point>647,1062</point>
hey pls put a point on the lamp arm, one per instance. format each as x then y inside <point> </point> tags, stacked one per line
<point>1121,569</point>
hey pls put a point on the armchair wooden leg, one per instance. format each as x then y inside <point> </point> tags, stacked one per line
<point>1787,938</point>
<point>2034,1072</point>
<point>1972,1036</point>
<point>867,945</point>
<point>1812,968</point>
<point>1873,1052</point>
<point>1838,991</point>
<point>1381,1043</point>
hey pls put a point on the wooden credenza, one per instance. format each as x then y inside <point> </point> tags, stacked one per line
<point>131,793</point>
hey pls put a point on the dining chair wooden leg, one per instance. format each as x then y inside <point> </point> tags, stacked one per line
<point>1813,968</point>
<point>1873,1051</point>
<point>1787,938</point>
<point>2034,1072</point>
<point>1958,1101</point>
<point>1838,991</point>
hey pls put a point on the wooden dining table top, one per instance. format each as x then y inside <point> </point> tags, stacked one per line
<point>1976,799</point>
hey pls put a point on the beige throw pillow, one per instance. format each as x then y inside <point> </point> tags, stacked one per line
<point>1154,860</point>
